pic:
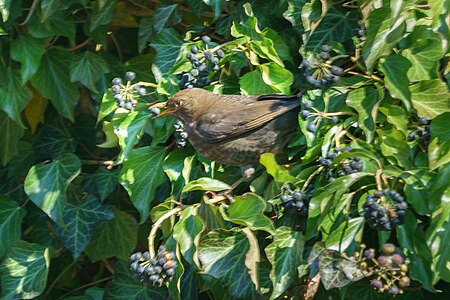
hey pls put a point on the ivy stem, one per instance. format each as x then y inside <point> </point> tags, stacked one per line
<point>305,185</point>
<point>80,45</point>
<point>149,84</point>
<point>60,275</point>
<point>30,12</point>
<point>156,225</point>
<point>85,286</point>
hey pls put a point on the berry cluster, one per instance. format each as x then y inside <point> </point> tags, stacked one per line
<point>345,167</point>
<point>125,94</point>
<point>390,269</point>
<point>296,201</point>
<point>180,134</point>
<point>422,133</point>
<point>385,209</point>
<point>305,113</point>
<point>203,61</point>
<point>320,71</point>
<point>155,270</point>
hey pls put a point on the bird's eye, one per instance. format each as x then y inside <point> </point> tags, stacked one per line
<point>177,103</point>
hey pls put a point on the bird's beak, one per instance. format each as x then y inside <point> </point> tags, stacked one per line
<point>168,111</point>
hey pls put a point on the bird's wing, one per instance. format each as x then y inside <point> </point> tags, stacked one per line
<point>244,117</point>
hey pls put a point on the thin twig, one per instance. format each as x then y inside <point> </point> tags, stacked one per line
<point>156,225</point>
<point>30,12</point>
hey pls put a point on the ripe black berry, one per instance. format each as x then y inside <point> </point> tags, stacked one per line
<point>336,70</point>
<point>220,53</point>
<point>377,284</point>
<point>325,48</point>
<point>384,210</point>
<point>311,127</point>
<point>423,121</point>
<point>130,75</point>
<point>308,104</point>
<point>206,39</point>
<point>194,49</point>
<point>117,81</point>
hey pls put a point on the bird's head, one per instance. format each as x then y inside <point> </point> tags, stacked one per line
<point>187,104</point>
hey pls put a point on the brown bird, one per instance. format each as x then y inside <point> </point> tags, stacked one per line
<point>234,129</point>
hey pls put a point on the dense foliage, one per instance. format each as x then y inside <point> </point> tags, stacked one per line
<point>356,207</point>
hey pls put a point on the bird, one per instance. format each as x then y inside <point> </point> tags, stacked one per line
<point>234,129</point>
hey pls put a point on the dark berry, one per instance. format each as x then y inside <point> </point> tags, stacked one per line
<point>214,60</point>
<point>308,104</point>
<point>323,55</point>
<point>194,49</point>
<point>155,111</point>
<point>306,63</point>
<point>393,290</point>
<point>311,127</point>
<point>208,55</point>
<point>115,89</point>
<point>388,248</point>
<point>382,260</point>
<point>297,196</point>
<point>206,39</point>
<point>336,70</point>
<point>284,198</point>
<point>334,119</point>
<point>397,259</point>
<point>369,253</point>
<point>130,75</point>
<point>304,114</point>
<point>220,53</point>
<point>181,143</point>
<point>117,81</point>
<point>423,121</point>
<point>377,284</point>
<point>325,48</point>
<point>419,132</point>
<point>216,68</point>
<point>142,91</point>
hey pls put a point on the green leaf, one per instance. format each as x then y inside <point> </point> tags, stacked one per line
<point>11,216</point>
<point>14,98</point>
<point>439,148</point>
<point>46,184</point>
<point>277,77</point>
<point>335,26</point>
<point>223,255</point>
<point>125,287</point>
<point>266,49</point>
<point>129,127</point>
<point>166,16</point>
<point>107,106</point>
<point>61,23</point>
<point>174,164</point>
<point>343,236</point>
<point>365,102</point>
<point>383,32</point>
<point>23,271</point>
<point>28,51</point>
<point>393,145</point>
<point>274,169</point>
<point>53,81</point>
<point>285,254</point>
<point>430,98</point>
<point>167,45</point>
<point>336,271</point>
<point>216,6</point>
<point>294,14</point>
<point>101,183</point>
<point>248,210</point>
<point>396,116</point>
<point>114,238</point>
<point>10,135</point>
<point>87,68</point>
<point>48,8</point>
<point>102,12</point>
<point>394,68</point>
<point>80,222</point>
<point>251,83</point>
<point>438,235</point>
<point>424,55</point>
<point>145,32</point>
<point>187,233</point>
<point>56,139</point>
<point>206,184</point>
<point>141,175</point>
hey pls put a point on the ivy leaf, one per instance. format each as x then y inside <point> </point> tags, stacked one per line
<point>223,255</point>
<point>129,127</point>
<point>11,216</point>
<point>116,237</point>
<point>336,271</point>
<point>14,99</point>
<point>108,105</point>
<point>343,236</point>
<point>174,164</point>
<point>87,68</point>
<point>424,54</point>
<point>274,169</point>
<point>383,32</point>
<point>53,81</point>
<point>46,184</point>
<point>394,68</point>
<point>438,235</point>
<point>187,233</point>
<point>277,77</point>
<point>27,50</point>
<point>365,102</point>
<point>60,23</point>
<point>430,98</point>
<point>125,287</point>
<point>439,148</point>
<point>166,16</point>
<point>101,183</point>
<point>396,116</point>
<point>335,26</point>
<point>23,271</point>
<point>216,6</point>
<point>394,147</point>
<point>248,210</point>
<point>251,83</point>
<point>206,184</point>
<point>285,254</point>
<point>80,222</point>
<point>102,12</point>
<point>141,174</point>
<point>145,32</point>
<point>10,134</point>
<point>48,8</point>
<point>167,45</point>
